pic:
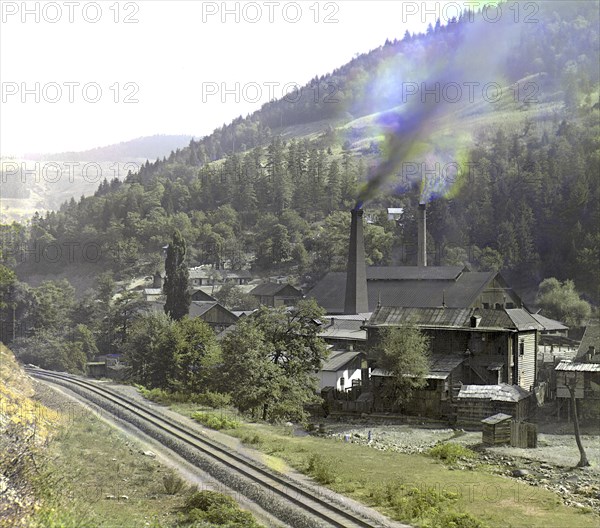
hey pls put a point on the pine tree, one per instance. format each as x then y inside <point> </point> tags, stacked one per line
<point>176,279</point>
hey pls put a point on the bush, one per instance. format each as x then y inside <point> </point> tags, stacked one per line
<point>216,509</point>
<point>458,520</point>
<point>429,507</point>
<point>207,500</point>
<point>210,399</point>
<point>215,421</point>
<point>450,452</point>
<point>172,483</point>
<point>251,439</point>
<point>322,469</point>
<point>215,400</point>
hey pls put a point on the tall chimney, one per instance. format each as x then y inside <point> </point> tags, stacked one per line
<point>356,276</point>
<point>422,240</point>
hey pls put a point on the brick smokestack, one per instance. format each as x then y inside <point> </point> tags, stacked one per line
<point>356,275</point>
<point>422,234</point>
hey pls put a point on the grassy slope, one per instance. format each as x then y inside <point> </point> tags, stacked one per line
<point>368,475</point>
<point>85,461</point>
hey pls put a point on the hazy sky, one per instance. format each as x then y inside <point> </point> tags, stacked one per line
<point>77,75</point>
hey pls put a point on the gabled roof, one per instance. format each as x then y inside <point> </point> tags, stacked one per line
<point>269,289</point>
<point>200,295</point>
<point>197,308</point>
<point>501,392</point>
<point>339,359</point>
<point>408,286</point>
<point>591,337</point>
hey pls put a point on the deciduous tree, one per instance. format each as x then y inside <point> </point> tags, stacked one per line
<point>403,352</point>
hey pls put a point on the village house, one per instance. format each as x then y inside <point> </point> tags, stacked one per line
<point>584,374</point>
<point>274,294</point>
<point>468,346</point>
<point>205,276</point>
<point>211,312</point>
<point>342,370</point>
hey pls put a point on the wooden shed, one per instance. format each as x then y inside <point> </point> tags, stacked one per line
<point>476,402</point>
<point>496,429</point>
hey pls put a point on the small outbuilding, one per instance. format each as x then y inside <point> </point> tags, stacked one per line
<point>496,429</point>
<point>476,402</point>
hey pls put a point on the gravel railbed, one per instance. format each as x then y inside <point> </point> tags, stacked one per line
<point>254,456</point>
<point>268,500</point>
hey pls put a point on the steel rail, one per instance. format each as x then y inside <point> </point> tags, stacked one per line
<point>328,512</point>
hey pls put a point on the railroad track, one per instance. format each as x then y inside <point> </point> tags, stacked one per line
<point>278,486</point>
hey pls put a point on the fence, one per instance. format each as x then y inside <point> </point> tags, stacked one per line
<point>523,434</point>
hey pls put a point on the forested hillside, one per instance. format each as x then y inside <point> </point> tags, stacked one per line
<point>272,190</point>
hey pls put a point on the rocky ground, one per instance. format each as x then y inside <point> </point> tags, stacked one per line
<point>550,465</point>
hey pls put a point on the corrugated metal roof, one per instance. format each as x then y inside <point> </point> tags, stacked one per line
<point>378,372</point>
<point>441,318</point>
<point>339,359</point>
<point>568,366</point>
<point>501,392</point>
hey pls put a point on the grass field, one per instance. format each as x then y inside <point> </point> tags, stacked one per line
<point>416,489</point>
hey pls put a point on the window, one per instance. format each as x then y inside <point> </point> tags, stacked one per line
<point>486,306</point>
<point>522,348</point>
<point>510,305</point>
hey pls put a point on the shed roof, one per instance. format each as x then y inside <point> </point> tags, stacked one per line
<point>442,366</point>
<point>549,324</point>
<point>501,392</point>
<point>497,418</point>
<point>343,329</point>
<point>523,320</point>
<point>339,359</point>
<point>569,366</point>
